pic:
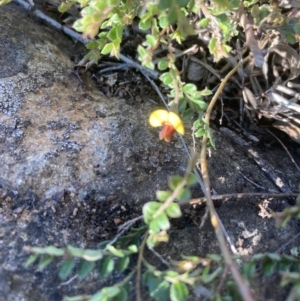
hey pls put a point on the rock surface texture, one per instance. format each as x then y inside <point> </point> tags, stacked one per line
<point>76,164</point>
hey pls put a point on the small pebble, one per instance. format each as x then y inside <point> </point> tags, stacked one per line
<point>75,211</point>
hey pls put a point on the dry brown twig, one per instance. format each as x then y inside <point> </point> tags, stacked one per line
<point>243,195</point>
<point>243,287</point>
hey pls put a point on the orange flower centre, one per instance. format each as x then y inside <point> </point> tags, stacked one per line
<point>167,132</point>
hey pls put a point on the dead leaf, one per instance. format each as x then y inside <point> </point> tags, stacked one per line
<point>287,54</point>
<point>292,130</point>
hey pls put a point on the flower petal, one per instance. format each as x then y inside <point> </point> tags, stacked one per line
<point>176,122</point>
<point>158,118</point>
<point>167,133</point>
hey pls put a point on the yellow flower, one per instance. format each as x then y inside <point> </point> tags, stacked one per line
<point>170,122</point>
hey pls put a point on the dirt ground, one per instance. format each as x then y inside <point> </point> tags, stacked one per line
<point>85,217</point>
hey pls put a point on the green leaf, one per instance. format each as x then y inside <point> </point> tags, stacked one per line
<point>182,103</point>
<point>152,40</point>
<point>112,34</point>
<point>191,180</point>
<point>215,257</point>
<point>114,251</point>
<point>210,136</point>
<point>173,210</point>
<point>268,267</point>
<point>173,14</point>
<point>107,48</point>
<point>148,64</point>
<point>206,92</point>
<point>75,252</point>
<point>210,277</point>
<point>31,259</point>
<point>204,23</point>
<point>91,45</point>
<point>198,123</point>
<point>224,4</point>
<point>121,296</point>
<point>154,226</point>
<point>258,257</point>
<point>44,262</point>
<point>175,181</point>
<point>164,4</point>
<point>122,264</point>
<point>163,221</point>
<point>133,248</point>
<point>92,255</point>
<point>106,266</point>
<point>145,25</point>
<point>63,7</point>
<point>189,88</point>
<point>182,3</point>
<point>66,268</point>
<point>84,268</point>
<point>159,289</point>
<point>103,244</point>
<point>51,250</point>
<point>111,291</point>
<point>162,195</point>
<point>166,78</point>
<point>179,291</point>
<point>163,64</point>
<point>3,2</point>
<point>149,209</point>
<point>142,52</point>
<point>200,133</point>
<point>212,45</point>
<point>188,114</point>
<point>99,296</point>
<point>163,21</point>
<point>200,103</point>
<point>184,195</point>
<point>248,269</point>
<point>274,256</point>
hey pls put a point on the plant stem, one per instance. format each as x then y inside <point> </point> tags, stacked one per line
<point>243,288</point>
<point>170,199</point>
<point>139,268</point>
<point>127,278</point>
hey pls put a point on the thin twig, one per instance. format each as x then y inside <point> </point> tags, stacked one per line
<point>67,282</point>
<point>159,257</point>
<point>244,195</point>
<point>287,243</point>
<point>124,228</point>
<point>114,68</point>
<point>253,183</point>
<point>204,218</point>
<point>139,268</point>
<point>71,33</point>
<point>243,287</point>
<point>285,148</point>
